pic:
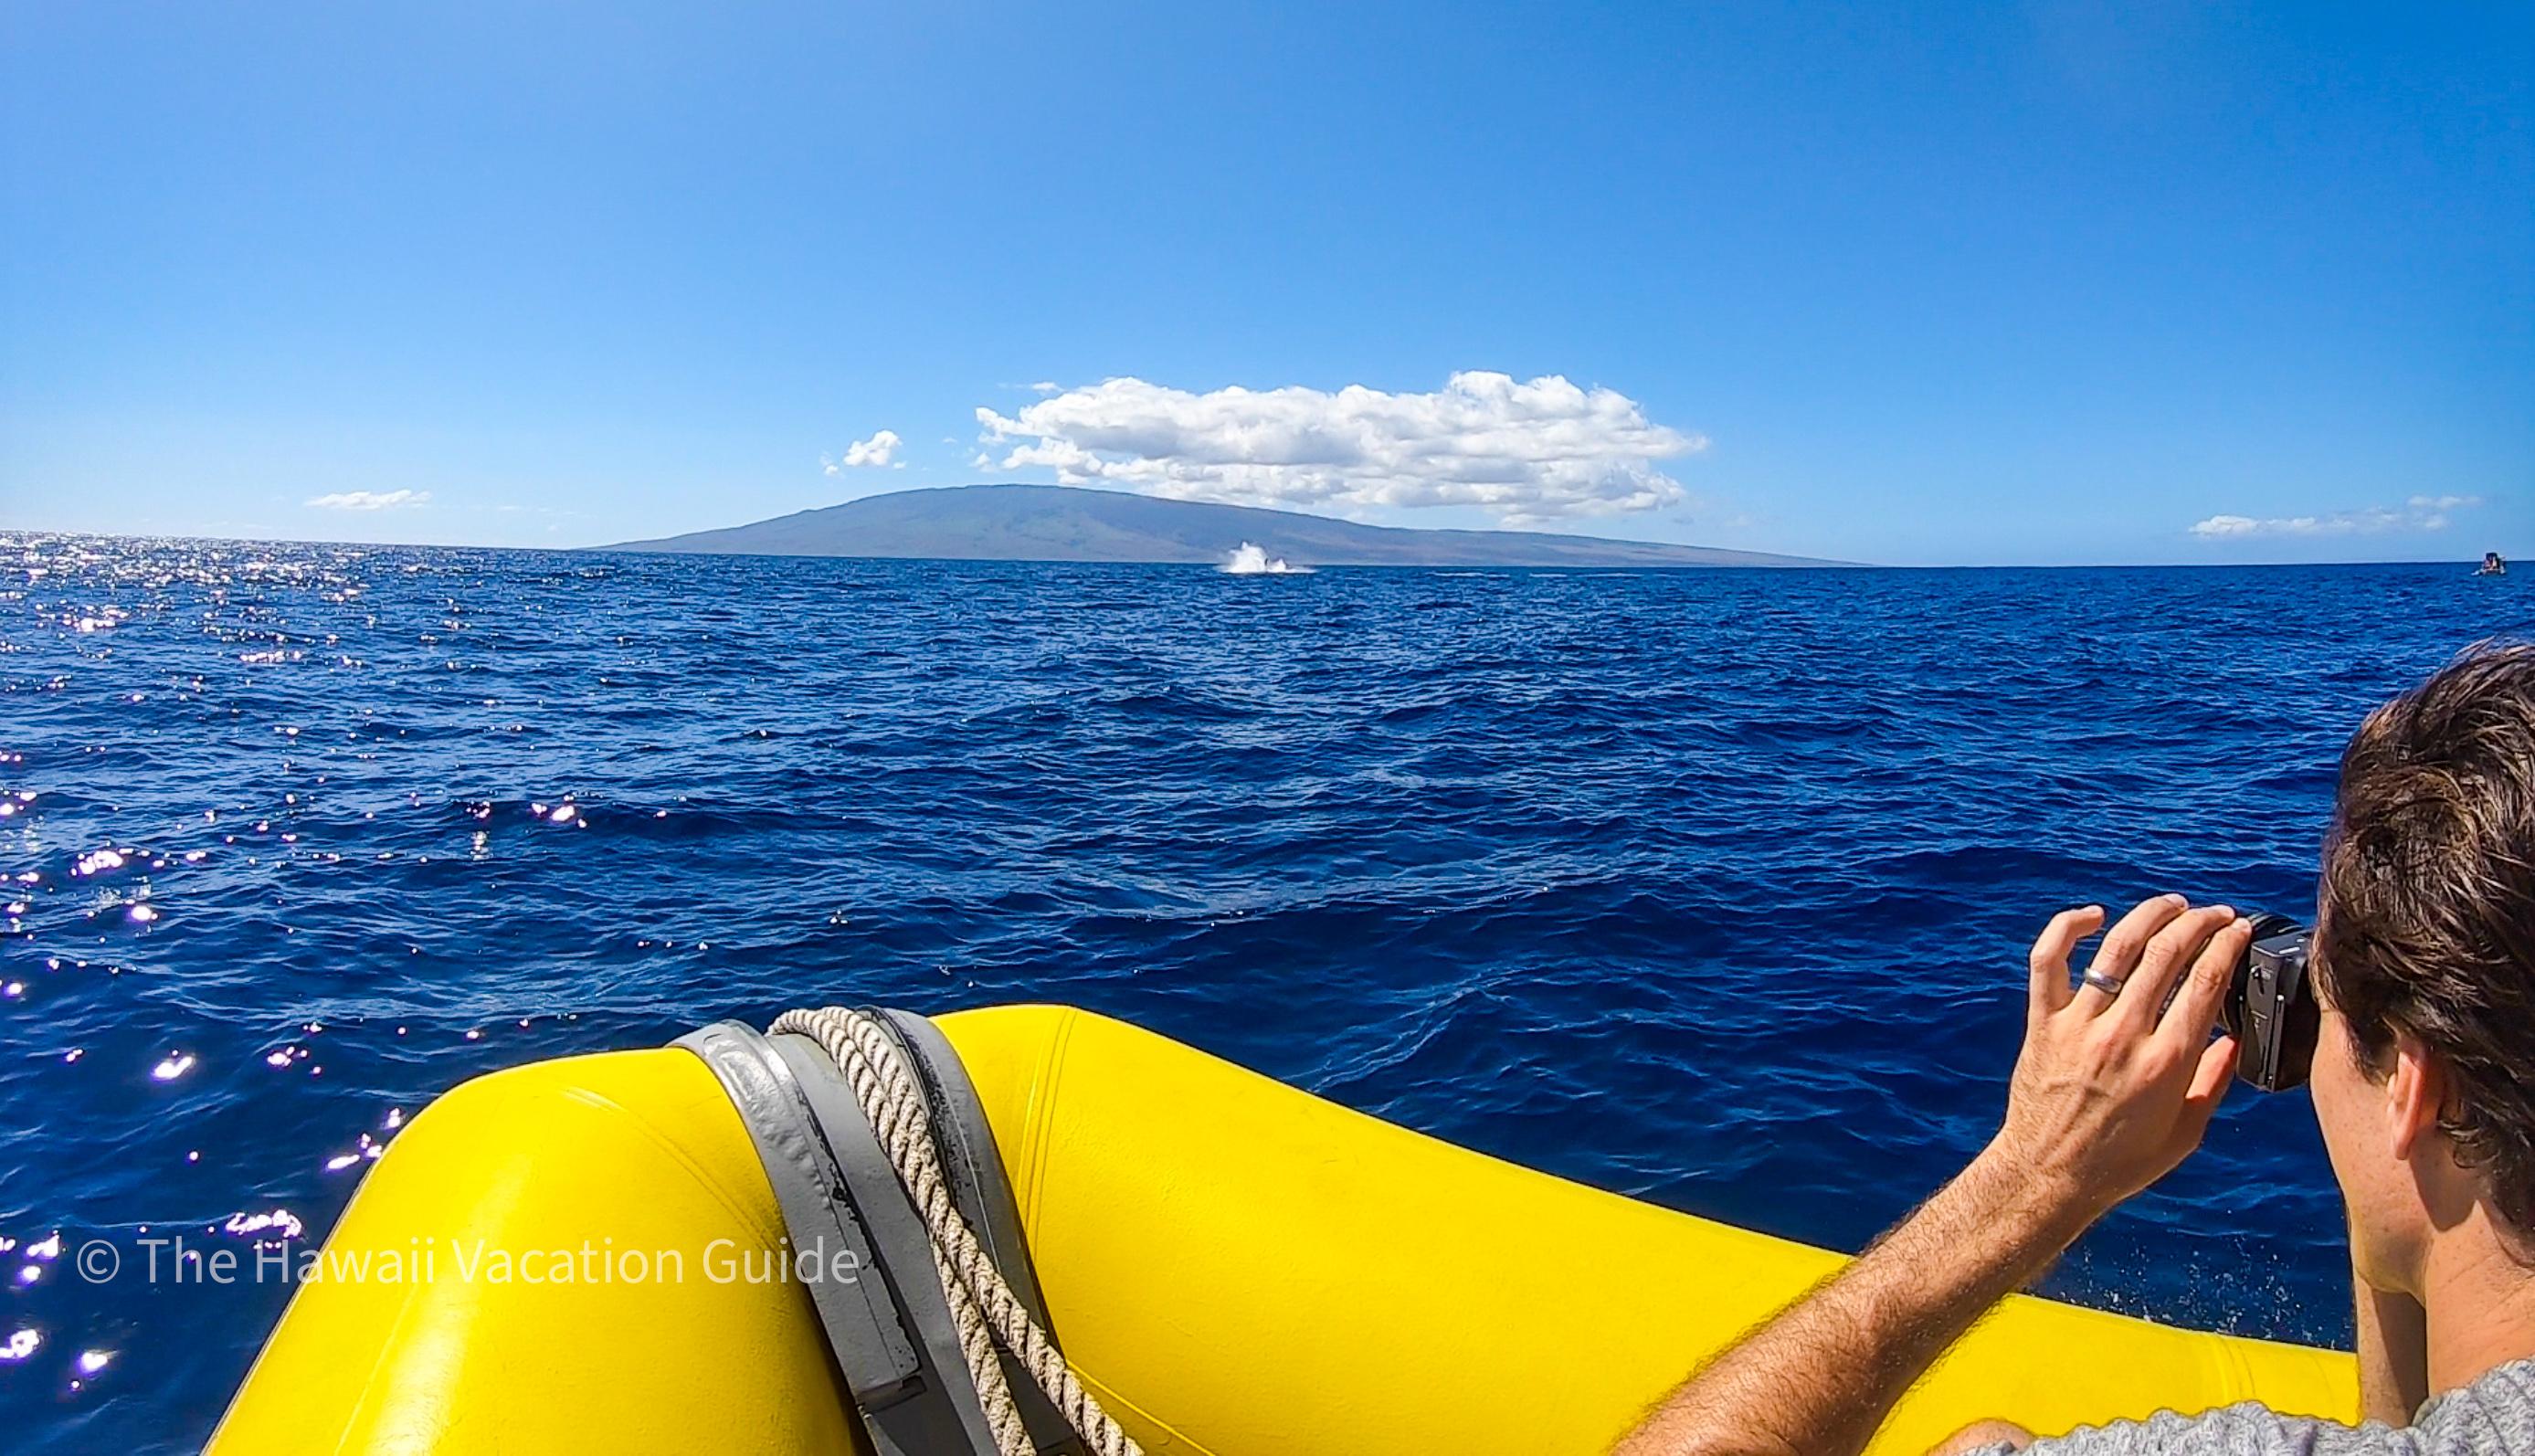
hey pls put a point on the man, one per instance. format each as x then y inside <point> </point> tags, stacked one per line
<point>2424,1083</point>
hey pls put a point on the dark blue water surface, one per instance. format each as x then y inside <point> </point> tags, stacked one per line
<point>1710,887</point>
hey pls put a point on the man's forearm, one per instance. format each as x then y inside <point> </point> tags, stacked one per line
<point>2116,1085</point>
<point>1818,1379</point>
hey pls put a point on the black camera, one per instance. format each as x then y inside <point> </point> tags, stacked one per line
<point>2270,1007</point>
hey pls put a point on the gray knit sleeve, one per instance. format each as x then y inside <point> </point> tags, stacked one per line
<point>2233,1430</point>
<point>2493,1417</point>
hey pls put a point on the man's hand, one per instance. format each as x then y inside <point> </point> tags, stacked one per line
<point>1982,1435</point>
<point>2115,1085</point>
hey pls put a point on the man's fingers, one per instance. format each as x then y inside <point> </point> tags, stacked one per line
<point>2211,1076</point>
<point>2050,959</point>
<point>2119,955</point>
<point>2196,1009</point>
<point>2161,964</point>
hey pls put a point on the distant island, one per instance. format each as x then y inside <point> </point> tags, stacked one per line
<point>1064,522</point>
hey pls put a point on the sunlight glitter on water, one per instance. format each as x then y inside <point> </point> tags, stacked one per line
<point>1582,869</point>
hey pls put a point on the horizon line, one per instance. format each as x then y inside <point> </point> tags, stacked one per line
<point>1826,563</point>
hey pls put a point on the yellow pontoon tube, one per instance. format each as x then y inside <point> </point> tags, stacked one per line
<point>1233,1267</point>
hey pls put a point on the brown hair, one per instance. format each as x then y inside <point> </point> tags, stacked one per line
<point>2427,921</point>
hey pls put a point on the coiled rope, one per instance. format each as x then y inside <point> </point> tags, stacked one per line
<point>983,1308</point>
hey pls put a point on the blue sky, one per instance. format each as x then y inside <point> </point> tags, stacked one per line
<point>2050,283</point>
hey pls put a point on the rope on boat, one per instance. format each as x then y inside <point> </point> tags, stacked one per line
<point>983,1308</point>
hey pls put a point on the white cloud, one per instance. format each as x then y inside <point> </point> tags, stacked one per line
<point>2418,514</point>
<point>2218,526</point>
<point>1525,451</point>
<point>878,452</point>
<point>369,500</point>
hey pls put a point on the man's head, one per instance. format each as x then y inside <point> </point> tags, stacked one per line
<point>2425,1069</point>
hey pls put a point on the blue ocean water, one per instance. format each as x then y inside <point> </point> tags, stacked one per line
<point>1709,887</point>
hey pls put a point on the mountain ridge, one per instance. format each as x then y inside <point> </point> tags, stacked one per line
<point>1075,524</point>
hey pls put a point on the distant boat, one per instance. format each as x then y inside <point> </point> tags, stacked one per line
<point>2491,566</point>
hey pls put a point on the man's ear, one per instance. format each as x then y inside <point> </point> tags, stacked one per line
<point>2416,1095</point>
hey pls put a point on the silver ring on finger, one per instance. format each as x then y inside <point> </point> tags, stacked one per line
<point>2108,985</point>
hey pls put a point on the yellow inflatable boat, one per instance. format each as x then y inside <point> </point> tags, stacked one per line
<point>591,1254</point>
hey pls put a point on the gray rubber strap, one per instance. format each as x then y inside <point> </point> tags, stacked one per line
<point>905,1248</point>
<point>886,1321</point>
<point>974,1169</point>
<point>862,1325</point>
<point>969,1157</point>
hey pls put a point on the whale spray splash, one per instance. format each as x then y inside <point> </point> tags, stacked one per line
<point>1253,561</point>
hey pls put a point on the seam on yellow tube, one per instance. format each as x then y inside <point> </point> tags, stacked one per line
<point>1165,1435</point>
<point>1042,1115</point>
<point>677,1153</point>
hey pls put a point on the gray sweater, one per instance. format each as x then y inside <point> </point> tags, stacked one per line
<point>2494,1415</point>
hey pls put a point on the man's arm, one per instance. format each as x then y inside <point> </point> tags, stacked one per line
<point>1821,1377</point>
<point>2107,1097</point>
<point>2393,1353</point>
